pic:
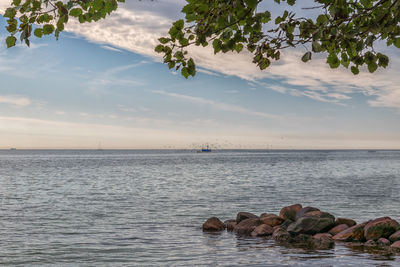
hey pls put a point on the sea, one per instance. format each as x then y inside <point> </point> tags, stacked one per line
<point>146,207</point>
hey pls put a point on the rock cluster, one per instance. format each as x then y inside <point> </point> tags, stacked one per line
<point>312,228</point>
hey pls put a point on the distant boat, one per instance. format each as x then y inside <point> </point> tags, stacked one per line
<point>206,149</point>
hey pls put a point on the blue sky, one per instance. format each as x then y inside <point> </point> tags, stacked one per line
<point>103,84</point>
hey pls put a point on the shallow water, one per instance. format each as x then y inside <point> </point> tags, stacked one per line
<point>145,208</point>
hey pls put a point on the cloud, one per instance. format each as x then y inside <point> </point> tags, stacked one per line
<point>219,105</point>
<point>15,100</point>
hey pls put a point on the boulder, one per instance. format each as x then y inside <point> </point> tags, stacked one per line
<point>262,230</point>
<point>312,223</point>
<point>395,246</point>
<point>289,212</point>
<point>272,220</point>
<point>286,224</point>
<point>371,243</point>
<point>395,237</point>
<point>230,224</point>
<point>305,241</point>
<point>354,233</point>
<point>348,222</point>
<point>281,235</point>
<point>244,215</point>
<point>381,227</point>
<point>383,242</point>
<point>304,210</point>
<point>213,224</point>
<point>247,226</point>
<point>337,229</point>
<point>323,241</point>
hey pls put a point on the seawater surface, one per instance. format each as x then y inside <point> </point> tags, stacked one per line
<point>146,208</point>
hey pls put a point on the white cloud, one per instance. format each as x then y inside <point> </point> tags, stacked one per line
<point>15,100</point>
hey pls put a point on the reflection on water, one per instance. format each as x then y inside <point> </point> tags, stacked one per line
<point>146,207</point>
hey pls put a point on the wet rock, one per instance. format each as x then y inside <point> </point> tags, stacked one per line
<point>302,211</point>
<point>371,243</point>
<point>247,226</point>
<point>337,229</point>
<point>230,224</point>
<point>348,222</point>
<point>305,241</point>
<point>383,242</point>
<point>395,237</point>
<point>312,223</point>
<point>289,212</point>
<point>244,215</point>
<point>262,230</point>
<point>281,235</point>
<point>213,224</point>
<point>272,220</point>
<point>354,233</point>
<point>381,227</point>
<point>395,246</point>
<point>323,241</point>
<point>286,224</point>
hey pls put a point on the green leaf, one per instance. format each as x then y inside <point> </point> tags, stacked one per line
<point>185,72</point>
<point>75,12</point>
<point>396,42</point>
<point>251,3</point>
<point>306,57</point>
<point>316,46</point>
<point>10,41</point>
<point>372,67</point>
<point>38,32</point>
<point>48,29</point>
<point>159,48</point>
<point>355,70</point>
<point>10,13</point>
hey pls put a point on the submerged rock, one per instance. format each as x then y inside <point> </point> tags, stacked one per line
<point>213,224</point>
<point>395,237</point>
<point>323,241</point>
<point>354,233</point>
<point>230,224</point>
<point>395,246</point>
<point>383,242</point>
<point>348,222</point>
<point>247,226</point>
<point>289,212</point>
<point>244,215</point>
<point>312,223</point>
<point>281,235</point>
<point>262,230</point>
<point>380,227</point>
<point>272,220</point>
<point>337,229</point>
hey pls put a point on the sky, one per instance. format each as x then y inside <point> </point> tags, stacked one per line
<point>101,85</point>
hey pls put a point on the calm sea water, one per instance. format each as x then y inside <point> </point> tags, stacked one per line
<point>145,208</point>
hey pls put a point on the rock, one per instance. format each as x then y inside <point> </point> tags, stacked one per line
<point>395,246</point>
<point>247,226</point>
<point>354,233</point>
<point>312,223</point>
<point>305,241</point>
<point>262,230</point>
<point>348,222</point>
<point>395,237</point>
<point>304,210</point>
<point>383,242</point>
<point>289,212</point>
<point>337,229</point>
<point>371,243</point>
<point>213,224</point>
<point>286,224</point>
<point>323,241</point>
<point>244,215</point>
<point>230,224</point>
<point>381,227</point>
<point>281,235</point>
<point>264,214</point>
<point>272,220</point>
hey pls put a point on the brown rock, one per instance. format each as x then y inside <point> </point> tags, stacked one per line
<point>395,246</point>
<point>289,212</point>
<point>383,242</point>
<point>323,241</point>
<point>312,223</point>
<point>348,222</point>
<point>371,243</point>
<point>247,226</point>
<point>305,241</point>
<point>230,224</point>
<point>337,229</point>
<point>244,215</point>
<point>265,214</point>
<point>262,230</point>
<point>286,224</point>
<point>395,237</point>
<point>304,210</point>
<point>213,224</point>
<point>354,233</point>
<point>281,235</point>
<point>272,220</point>
<point>381,227</point>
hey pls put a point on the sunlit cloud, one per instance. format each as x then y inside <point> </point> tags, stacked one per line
<point>15,100</point>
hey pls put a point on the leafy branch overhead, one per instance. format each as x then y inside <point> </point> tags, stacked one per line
<point>346,31</point>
